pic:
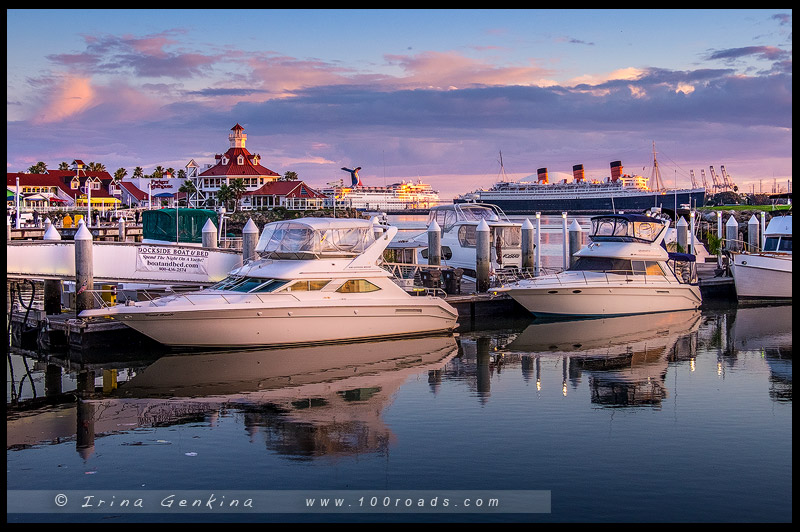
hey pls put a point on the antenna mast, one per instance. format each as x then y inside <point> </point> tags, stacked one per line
<point>655,176</point>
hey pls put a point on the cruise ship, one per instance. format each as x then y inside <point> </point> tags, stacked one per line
<point>402,196</point>
<point>619,192</point>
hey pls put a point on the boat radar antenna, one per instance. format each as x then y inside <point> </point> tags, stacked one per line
<point>655,175</point>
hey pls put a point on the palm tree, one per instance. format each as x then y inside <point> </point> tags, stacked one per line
<point>137,172</point>
<point>63,165</point>
<point>96,167</point>
<point>120,174</point>
<point>38,168</point>
<point>238,188</point>
<point>158,172</point>
<point>224,195</point>
<point>181,174</point>
<point>289,176</point>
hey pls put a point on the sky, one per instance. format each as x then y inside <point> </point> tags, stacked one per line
<point>431,95</point>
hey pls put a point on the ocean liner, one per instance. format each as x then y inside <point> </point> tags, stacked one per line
<point>619,192</point>
<point>401,196</point>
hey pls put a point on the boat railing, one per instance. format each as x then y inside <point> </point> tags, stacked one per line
<point>588,277</point>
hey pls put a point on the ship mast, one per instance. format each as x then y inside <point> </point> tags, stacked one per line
<point>502,169</point>
<point>655,175</point>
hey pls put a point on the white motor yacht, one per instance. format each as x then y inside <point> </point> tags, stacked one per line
<point>458,223</point>
<point>623,270</point>
<point>767,274</point>
<point>316,280</point>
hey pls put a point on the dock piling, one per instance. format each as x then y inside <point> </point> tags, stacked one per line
<point>434,244</point>
<point>732,234</point>
<point>209,235</point>
<point>52,287</point>
<point>84,265</point>
<point>527,245</point>
<point>575,241</point>
<point>682,234</point>
<point>537,253</point>
<point>483,250</point>
<point>249,240</point>
<point>752,233</point>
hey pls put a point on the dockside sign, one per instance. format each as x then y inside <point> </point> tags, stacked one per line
<point>172,260</point>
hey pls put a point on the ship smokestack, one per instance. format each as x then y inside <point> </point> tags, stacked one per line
<point>616,170</point>
<point>542,175</point>
<point>577,173</point>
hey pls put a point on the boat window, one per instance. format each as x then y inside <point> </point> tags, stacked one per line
<point>466,236</point>
<point>353,286</point>
<point>602,264</point>
<point>616,228</point>
<point>649,267</point>
<point>307,286</point>
<point>771,243</point>
<point>509,236</point>
<point>237,283</point>
<point>785,244</point>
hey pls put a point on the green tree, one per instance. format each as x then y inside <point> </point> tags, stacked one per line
<point>96,167</point>
<point>171,171</point>
<point>38,168</point>
<point>289,176</point>
<point>120,174</point>
<point>238,188</point>
<point>138,172</point>
<point>158,172</point>
<point>63,165</point>
<point>181,174</point>
<point>225,195</point>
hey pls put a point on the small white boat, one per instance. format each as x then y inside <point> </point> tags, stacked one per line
<point>767,274</point>
<point>458,223</point>
<point>623,270</point>
<point>317,280</point>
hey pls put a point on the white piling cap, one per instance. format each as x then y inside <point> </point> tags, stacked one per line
<point>527,224</point>
<point>249,228</point>
<point>575,226</point>
<point>52,233</point>
<point>732,221</point>
<point>434,226</point>
<point>752,220</point>
<point>209,227</point>
<point>483,226</point>
<point>682,222</point>
<point>83,232</point>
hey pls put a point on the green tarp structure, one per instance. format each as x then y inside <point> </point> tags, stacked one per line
<point>160,224</point>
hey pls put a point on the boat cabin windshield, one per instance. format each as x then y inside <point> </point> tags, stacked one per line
<point>781,244</point>
<point>296,239</point>
<point>626,228</point>
<point>448,216</point>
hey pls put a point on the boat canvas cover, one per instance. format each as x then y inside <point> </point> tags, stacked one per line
<point>160,224</point>
<point>314,237</point>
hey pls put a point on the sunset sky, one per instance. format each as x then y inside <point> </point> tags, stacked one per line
<point>407,94</point>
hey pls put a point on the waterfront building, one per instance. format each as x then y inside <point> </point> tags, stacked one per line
<point>66,188</point>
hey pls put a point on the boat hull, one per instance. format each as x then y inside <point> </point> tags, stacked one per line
<point>605,300</point>
<point>259,326</point>
<point>527,204</point>
<point>762,276</point>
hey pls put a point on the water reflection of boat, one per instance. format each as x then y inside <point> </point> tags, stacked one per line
<point>626,357</point>
<point>303,401</point>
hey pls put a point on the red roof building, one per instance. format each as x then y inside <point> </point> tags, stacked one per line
<point>236,163</point>
<point>293,195</point>
<point>68,187</point>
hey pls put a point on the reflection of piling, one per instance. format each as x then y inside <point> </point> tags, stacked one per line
<point>249,240</point>
<point>434,244</point>
<point>575,241</point>
<point>52,380</point>
<point>84,440</point>
<point>527,245</point>
<point>52,287</point>
<point>84,270</point>
<point>209,235</point>
<point>482,257</point>
<point>483,344</point>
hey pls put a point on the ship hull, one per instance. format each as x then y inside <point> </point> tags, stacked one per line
<point>518,203</point>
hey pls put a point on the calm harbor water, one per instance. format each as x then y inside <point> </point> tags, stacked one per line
<point>680,417</point>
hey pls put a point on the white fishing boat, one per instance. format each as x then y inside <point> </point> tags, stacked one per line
<point>767,274</point>
<point>316,280</point>
<point>623,270</point>
<point>458,223</point>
